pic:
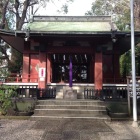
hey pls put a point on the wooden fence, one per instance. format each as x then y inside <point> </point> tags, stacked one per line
<point>107,93</point>
<point>48,93</point>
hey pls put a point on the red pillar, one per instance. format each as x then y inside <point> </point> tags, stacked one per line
<point>49,69</point>
<point>26,65</point>
<point>42,70</point>
<point>98,71</point>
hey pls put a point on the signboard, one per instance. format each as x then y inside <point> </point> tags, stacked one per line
<point>129,87</point>
<point>42,74</point>
<point>130,90</point>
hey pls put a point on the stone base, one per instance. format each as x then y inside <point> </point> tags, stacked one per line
<point>135,124</point>
<point>69,93</point>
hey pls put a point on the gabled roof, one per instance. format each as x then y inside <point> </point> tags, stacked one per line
<point>92,28</point>
<point>72,24</point>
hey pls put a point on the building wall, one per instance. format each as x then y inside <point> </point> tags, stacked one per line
<point>109,64</point>
<point>34,67</point>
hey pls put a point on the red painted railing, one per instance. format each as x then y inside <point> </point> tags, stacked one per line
<point>12,78</point>
<point>28,78</point>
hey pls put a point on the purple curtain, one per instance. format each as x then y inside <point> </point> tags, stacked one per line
<point>70,73</point>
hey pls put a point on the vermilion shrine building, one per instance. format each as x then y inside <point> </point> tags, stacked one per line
<point>93,44</point>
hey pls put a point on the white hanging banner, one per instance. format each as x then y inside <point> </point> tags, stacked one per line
<point>42,72</point>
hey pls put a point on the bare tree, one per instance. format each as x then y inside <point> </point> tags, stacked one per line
<point>18,9</point>
<point>15,13</point>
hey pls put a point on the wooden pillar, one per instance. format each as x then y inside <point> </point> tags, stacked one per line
<point>91,75</point>
<point>26,67</point>
<point>98,71</point>
<point>49,69</point>
<point>116,63</point>
<point>116,66</point>
<point>42,70</point>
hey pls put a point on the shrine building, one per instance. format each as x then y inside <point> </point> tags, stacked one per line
<point>92,44</point>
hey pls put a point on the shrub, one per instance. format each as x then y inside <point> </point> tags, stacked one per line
<point>6,95</point>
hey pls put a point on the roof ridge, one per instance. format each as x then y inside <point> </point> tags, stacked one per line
<point>71,18</point>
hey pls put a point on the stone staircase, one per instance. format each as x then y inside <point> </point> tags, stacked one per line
<point>58,109</point>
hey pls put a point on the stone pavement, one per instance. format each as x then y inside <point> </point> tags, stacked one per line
<point>67,129</point>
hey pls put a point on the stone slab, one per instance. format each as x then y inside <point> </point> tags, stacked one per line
<point>69,93</point>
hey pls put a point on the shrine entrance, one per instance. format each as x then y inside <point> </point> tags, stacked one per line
<point>80,68</point>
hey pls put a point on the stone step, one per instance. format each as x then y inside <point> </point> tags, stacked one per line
<point>89,109</point>
<point>70,102</point>
<point>86,107</point>
<point>68,111</point>
<point>71,116</point>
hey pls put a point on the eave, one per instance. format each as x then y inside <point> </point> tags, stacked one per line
<point>17,38</point>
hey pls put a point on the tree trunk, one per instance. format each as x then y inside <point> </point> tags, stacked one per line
<point>137,14</point>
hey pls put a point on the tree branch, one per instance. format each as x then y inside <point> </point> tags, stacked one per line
<point>17,4</point>
<point>3,14</point>
<point>24,12</point>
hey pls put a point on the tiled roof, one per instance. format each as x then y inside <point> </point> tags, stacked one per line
<point>72,24</point>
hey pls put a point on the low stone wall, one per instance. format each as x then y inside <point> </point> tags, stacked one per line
<point>77,88</point>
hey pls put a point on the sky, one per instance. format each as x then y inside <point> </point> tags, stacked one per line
<point>76,8</point>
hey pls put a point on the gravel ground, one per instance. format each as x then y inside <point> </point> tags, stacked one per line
<point>67,130</point>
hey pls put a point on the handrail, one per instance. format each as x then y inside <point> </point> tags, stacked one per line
<point>14,77</point>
